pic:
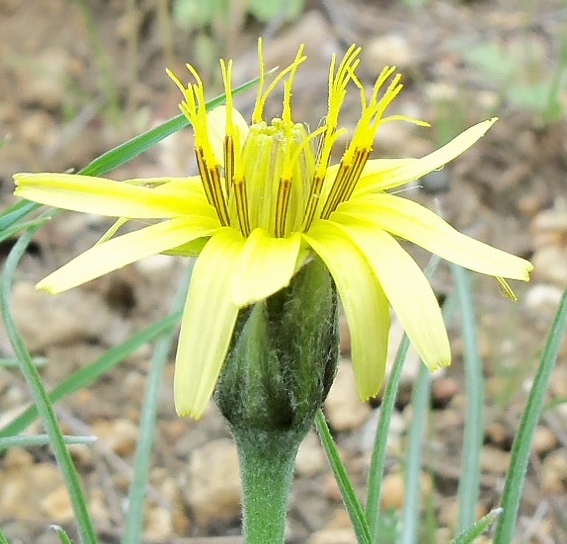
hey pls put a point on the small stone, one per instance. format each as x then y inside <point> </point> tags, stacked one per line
<point>443,390</point>
<point>543,298</point>
<point>17,459</point>
<point>391,49</point>
<point>159,524</point>
<point>549,227</point>
<point>213,483</point>
<point>396,430</point>
<point>343,406</point>
<point>554,472</point>
<point>544,440</point>
<point>49,85</point>
<point>449,514</point>
<point>550,265</point>
<point>82,455</point>
<point>558,383</point>
<point>72,317</point>
<point>393,491</point>
<point>494,460</point>
<point>333,536</point>
<point>57,505</point>
<point>120,435</point>
<point>311,459</point>
<point>497,433</point>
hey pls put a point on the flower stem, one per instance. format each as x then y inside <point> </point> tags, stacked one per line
<point>266,469</point>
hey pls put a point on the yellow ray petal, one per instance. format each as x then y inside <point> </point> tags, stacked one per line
<point>126,249</point>
<point>375,179</point>
<point>421,226</point>
<point>265,266</point>
<point>363,300</point>
<point>208,322</point>
<point>104,197</point>
<point>406,288</point>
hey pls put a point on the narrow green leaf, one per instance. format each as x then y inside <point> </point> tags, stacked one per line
<point>142,460</point>
<point>15,229</point>
<point>420,410</point>
<point>469,484</point>
<point>376,471</point>
<point>3,539</point>
<point>523,440</point>
<point>16,212</point>
<point>41,440</point>
<point>12,362</point>
<point>469,535</point>
<point>352,504</point>
<point>41,400</point>
<point>88,374</point>
<point>63,536</point>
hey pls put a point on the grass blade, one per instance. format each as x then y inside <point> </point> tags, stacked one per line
<point>41,400</point>
<point>420,409</point>
<point>469,484</point>
<point>352,505</point>
<point>15,212</point>
<point>378,459</point>
<point>41,440</point>
<point>469,535</point>
<point>88,374</point>
<point>63,536</point>
<point>523,440</point>
<point>137,493</point>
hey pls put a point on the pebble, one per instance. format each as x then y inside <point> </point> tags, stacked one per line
<point>494,460</point>
<point>449,514</point>
<point>558,383</point>
<point>120,435</point>
<point>343,407</point>
<point>49,85</point>
<point>396,430</point>
<point>16,501</point>
<point>57,505</point>
<point>393,489</point>
<point>550,265</point>
<point>549,227</point>
<point>554,472</point>
<point>391,49</point>
<point>333,536</point>
<point>443,390</point>
<point>544,440</point>
<point>158,524</point>
<point>543,298</point>
<point>72,317</point>
<point>311,458</point>
<point>212,487</point>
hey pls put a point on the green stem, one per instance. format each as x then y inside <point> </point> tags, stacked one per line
<point>266,470</point>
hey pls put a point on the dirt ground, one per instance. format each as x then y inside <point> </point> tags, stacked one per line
<point>78,77</point>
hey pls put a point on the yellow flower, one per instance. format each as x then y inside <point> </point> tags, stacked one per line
<point>266,201</point>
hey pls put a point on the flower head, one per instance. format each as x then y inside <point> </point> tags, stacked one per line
<point>265,202</point>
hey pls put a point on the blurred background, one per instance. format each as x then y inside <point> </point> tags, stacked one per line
<point>78,77</point>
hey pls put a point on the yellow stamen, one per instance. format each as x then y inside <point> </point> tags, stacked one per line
<point>257,114</point>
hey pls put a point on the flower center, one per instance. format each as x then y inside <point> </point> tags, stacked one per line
<point>278,166</point>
